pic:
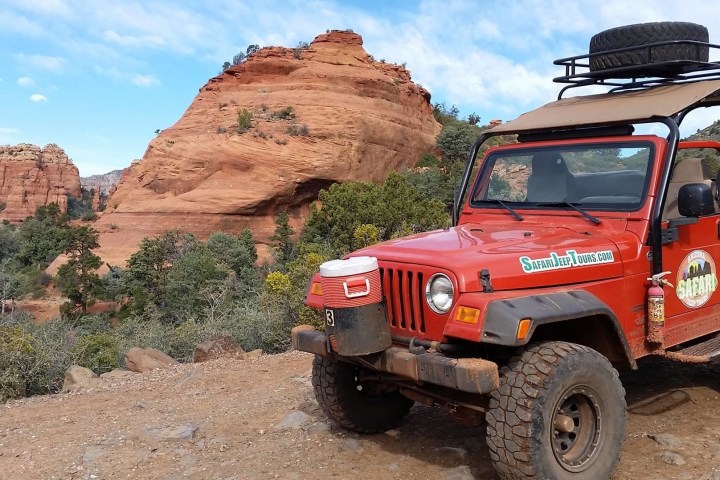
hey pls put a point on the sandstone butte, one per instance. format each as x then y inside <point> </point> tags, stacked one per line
<point>31,177</point>
<point>364,119</point>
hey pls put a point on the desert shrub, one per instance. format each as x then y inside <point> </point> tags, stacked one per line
<point>16,358</point>
<point>366,235</point>
<point>427,160</point>
<point>88,216</point>
<point>244,120</point>
<point>297,130</point>
<point>99,352</point>
<point>278,283</point>
<point>33,357</point>
<point>286,113</point>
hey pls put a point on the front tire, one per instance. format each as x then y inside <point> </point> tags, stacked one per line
<point>354,402</point>
<point>558,414</point>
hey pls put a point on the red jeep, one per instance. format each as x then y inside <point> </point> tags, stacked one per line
<point>576,250</point>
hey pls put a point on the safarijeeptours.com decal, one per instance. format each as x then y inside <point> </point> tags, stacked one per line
<point>569,260</point>
<point>696,279</point>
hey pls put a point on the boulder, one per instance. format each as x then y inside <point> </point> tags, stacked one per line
<point>145,359</point>
<point>216,348</point>
<point>79,378</point>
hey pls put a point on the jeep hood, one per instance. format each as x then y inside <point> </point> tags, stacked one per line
<point>531,257</point>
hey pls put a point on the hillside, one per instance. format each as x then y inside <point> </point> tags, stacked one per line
<point>265,136</point>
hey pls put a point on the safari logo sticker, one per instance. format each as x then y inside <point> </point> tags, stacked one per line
<point>569,260</point>
<point>696,279</point>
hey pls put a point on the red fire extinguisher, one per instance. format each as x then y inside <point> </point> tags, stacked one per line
<point>656,308</point>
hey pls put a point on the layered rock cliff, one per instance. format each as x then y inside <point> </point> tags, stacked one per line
<point>31,177</point>
<point>266,135</point>
<point>104,183</point>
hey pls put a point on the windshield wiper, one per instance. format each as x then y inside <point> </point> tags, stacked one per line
<point>582,212</point>
<point>507,207</point>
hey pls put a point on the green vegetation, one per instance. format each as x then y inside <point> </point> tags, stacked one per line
<point>286,113</point>
<point>177,290</point>
<point>244,120</point>
<point>439,176</point>
<point>297,131</point>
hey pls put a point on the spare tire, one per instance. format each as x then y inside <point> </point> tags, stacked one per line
<point>644,34</point>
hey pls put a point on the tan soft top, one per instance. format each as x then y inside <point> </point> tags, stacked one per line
<point>619,107</point>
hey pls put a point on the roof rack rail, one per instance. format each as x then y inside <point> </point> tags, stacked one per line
<point>641,76</point>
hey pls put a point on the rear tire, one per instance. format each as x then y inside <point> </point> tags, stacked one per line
<point>354,403</point>
<point>558,414</point>
<point>644,34</point>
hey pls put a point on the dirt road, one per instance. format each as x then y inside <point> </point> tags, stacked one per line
<point>257,419</point>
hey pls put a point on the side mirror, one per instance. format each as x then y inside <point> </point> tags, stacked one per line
<point>695,200</point>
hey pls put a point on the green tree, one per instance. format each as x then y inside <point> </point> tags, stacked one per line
<point>239,255</point>
<point>252,49</point>
<point>392,207</point>
<point>43,237</point>
<point>77,278</point>
<point>239,58</point>
<point>456,139</point>
<point>10,284</point>
<point>192,282</point>
<point>282,244</point>
<point>144,281</point>
<point>225,66</point>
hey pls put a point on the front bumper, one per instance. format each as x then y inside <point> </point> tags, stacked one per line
<point>473,375</point>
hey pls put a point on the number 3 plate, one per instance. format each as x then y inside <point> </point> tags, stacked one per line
<point>329,317</point>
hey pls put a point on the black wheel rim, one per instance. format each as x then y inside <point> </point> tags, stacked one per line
<point>576,448</point>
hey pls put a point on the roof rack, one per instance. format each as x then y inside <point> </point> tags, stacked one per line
<point>641,76</point>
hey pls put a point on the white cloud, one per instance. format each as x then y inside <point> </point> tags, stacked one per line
<point>144,41</point>
<point>25,82</point>
<point>38,98</point>
<point>53,64</point>
<point>144,80</point>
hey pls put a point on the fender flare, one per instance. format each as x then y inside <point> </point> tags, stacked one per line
<point>502,317</point>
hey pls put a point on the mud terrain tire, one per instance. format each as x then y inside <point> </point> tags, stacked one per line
<point>353,403</point>
<point>558,414</point>
<point>644,34</point>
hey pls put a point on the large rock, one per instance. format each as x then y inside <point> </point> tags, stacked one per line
<point>145,359</point>
<point>216,348</point>
<point>31,177</point>
<point>79,378</point>
<point>364,119</point>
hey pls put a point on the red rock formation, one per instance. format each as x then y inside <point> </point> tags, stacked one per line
<point>95,205</point>
<point>31,177</point>
<point>351,119</point>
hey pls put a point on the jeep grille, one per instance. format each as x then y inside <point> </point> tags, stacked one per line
<point>403,291</point>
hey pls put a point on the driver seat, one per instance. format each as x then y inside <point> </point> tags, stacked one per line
<point>549,180</point>
<point>687,170</point>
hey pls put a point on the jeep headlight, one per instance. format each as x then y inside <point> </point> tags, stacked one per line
<point>439,293</point>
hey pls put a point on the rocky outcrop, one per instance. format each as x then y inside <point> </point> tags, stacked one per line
<point>31,177</point>
<point>265,136</point>
<point>104,183</point>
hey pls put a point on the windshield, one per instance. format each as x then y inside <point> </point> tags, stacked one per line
<point>608,176</point>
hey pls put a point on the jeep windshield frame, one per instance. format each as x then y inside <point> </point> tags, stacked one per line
<point>607,175</point>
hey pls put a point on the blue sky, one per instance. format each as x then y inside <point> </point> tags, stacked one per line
<point>98,77</point>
